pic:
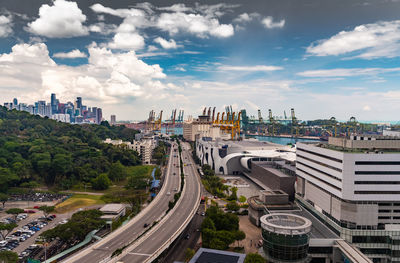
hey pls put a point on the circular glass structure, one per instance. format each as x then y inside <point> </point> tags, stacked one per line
<point>285,237</point>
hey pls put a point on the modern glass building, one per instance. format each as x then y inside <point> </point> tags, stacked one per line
<point>285,237</point>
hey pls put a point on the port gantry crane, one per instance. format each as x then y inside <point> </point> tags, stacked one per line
<point>154,124</point>
<point>171,123</point>
<point>271,126</point>
<point>229,124</point>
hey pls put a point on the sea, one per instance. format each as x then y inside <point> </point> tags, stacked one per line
<point>282,140</point>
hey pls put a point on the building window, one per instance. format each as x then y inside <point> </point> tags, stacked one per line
<point>319,163</point>
<point>319,171</point>
<point>377,163</point>
<point>377,182</point>
<point>320,155</point>
<point>377,192</point>
<point>378,172</point>
<point>331,185</point>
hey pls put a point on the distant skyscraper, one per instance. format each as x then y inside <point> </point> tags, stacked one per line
<point>99,115</point>
<point>113,119</point>
<point>15,102</point>
<point>78,102</point>
<point>54,104</point>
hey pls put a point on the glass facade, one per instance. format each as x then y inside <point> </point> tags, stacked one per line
<point>281,247</point>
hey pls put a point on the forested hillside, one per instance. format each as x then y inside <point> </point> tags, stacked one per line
<point>36,149</point>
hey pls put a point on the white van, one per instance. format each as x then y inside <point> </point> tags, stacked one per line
<point>3,243</point>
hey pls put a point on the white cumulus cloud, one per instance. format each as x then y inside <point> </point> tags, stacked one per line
<point>381,39</point>
<point>76,53</point>
<point>108,78</point>
<point>63,19</point>
<point>269,23</point>
<point>5,26</point>
<point>171,44</point>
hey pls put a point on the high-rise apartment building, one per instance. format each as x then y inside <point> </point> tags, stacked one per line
<point>78,102</point>
<point>113,119</point>
<point>99,116</point>
<point>54,104</point>
<point>353,185</point>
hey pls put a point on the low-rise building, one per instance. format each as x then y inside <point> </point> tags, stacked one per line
<point>206,255</point>
<point>113,211</point>
<point>235,157</point>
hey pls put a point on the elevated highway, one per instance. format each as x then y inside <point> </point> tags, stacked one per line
<point>151,245</point>
<point>102,250</point>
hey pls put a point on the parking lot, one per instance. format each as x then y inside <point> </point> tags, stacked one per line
<point>22,238</point>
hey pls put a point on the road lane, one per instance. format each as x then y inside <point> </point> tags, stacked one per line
<point>153,242</point>
<point>103,249</point>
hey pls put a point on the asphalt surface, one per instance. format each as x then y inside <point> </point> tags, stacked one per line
<point>164,231</point>
<point>96,253</point>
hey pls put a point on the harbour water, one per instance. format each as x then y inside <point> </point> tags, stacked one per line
<point>282,140</point>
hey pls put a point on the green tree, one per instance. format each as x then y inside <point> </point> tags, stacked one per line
<point>46,210</point>
<point>3,198</point>
<point>61,164</point>
<point>233,195</point>
<point>254,258</point>
<point>80,224</point>
<point>117,172</point>
<point>8,257</point>
<point>137,182</point>
<point>242,199</point>
<point>189,254</point>
<point>15,212</point>
<point>239,235</point>
<point>232,206</point>
<point>102,182</point>
<point>7,179</point>
<point>208,224</point>
<point>5,229</point>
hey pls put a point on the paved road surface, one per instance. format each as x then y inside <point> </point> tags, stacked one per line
<point>191,198</point>
<point>96,253</point>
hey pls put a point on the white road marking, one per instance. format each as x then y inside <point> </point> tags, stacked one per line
<point>139,254</point>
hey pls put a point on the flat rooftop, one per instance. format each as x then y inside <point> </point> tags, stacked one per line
<point>112,208</point>
<point>273,170</point>
<point>205,255</point>
<point>318,229</point>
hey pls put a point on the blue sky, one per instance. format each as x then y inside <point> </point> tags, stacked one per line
<point>323,58</point>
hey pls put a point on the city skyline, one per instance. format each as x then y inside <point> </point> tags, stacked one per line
<point>323,59</point>
<point>69,112</point>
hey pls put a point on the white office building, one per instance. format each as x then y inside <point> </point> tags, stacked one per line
<point>353,185</point>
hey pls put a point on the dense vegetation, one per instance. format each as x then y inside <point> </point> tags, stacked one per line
<point>58,154</point>
<point>254,258</point>
<point>8,257</point>
<point>212,183</point>
<point>220,229</point>
<point>80,224</point>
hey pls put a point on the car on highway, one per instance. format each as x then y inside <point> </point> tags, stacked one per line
<point>187,236</point>
<point>168,193</point>
<point>145,225</point>
<point>176,189</point>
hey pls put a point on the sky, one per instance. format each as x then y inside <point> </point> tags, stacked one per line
<point>323,58</point>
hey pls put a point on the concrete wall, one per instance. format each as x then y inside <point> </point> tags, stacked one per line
<point>273,181</point>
